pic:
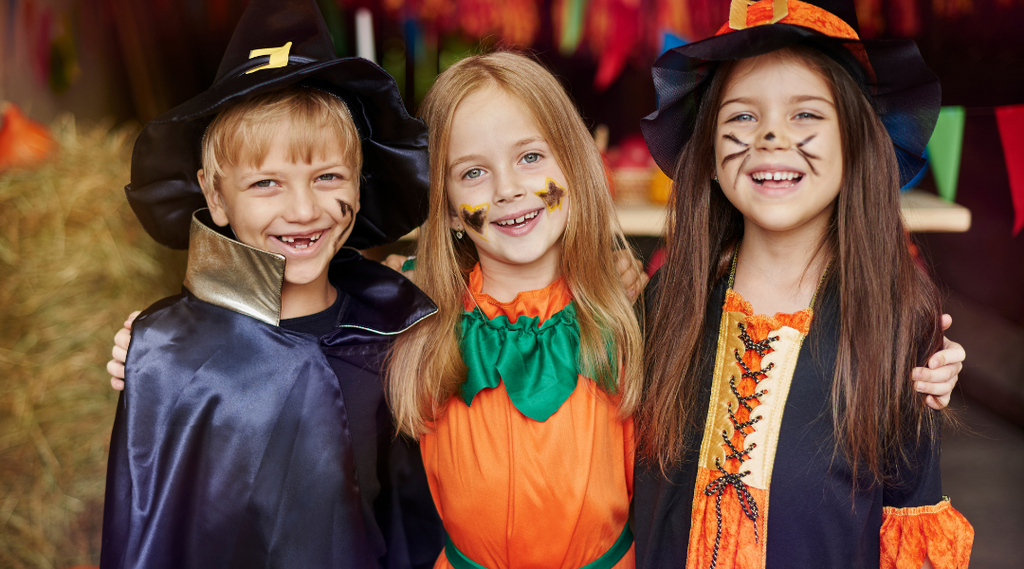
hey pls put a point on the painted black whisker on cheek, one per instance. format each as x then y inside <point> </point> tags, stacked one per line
<point>733,138</point>
<point>807,156</point>
<point>346,211</point>
<point>739,171</point>
<point>734,155</point>
<point>345,207</point>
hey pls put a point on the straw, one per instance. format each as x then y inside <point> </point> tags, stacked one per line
<point>74,262</point>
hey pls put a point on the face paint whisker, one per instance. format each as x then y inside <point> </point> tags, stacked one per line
<point>746,147</point>
<point>733,138</point>
<point>739,170</point>
<point>735,155</point>
<point>346,210</point>
<point>807,156</point>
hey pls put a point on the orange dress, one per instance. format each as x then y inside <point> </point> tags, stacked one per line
<point>517,492</point>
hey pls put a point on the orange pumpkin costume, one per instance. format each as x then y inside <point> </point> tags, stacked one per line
<point>517,492</point>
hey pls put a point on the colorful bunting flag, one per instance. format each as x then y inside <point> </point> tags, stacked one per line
<point>670,40</point>
<point>568,15</point>
<point>1011,131</point>
<point>944,148</point>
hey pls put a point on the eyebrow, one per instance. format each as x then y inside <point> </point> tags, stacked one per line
<point>792,100</point>
<point>528,141</point>
<point>805,98</point>
<point>462,160</point>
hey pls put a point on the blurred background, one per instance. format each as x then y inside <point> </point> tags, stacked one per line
<point>79,77</point>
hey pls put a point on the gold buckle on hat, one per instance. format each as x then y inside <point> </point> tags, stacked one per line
<point>738,12</point>
<point>278,57</point>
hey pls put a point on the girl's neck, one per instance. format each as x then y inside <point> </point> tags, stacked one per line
<point>308,298</point>
<point>503,282</point>
<point>779,272</point>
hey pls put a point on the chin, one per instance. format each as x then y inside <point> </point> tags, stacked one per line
<point>303,275</point>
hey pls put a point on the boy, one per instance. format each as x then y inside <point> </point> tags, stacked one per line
<point>253,429</point>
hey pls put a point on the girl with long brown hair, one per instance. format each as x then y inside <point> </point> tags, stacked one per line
<point>513,388</point>
<point>796,439</point>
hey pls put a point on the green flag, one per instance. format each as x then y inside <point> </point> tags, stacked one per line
<point>944,150</point>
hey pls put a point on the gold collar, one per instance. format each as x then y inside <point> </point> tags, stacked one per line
<point>231,274</point>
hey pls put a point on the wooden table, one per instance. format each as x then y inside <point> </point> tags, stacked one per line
<point>921,212</point>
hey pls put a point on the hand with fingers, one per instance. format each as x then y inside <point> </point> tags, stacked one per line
<point>631,272</point>
<point>938,379</point>
<point>396,262</point>
<point>115,367</point>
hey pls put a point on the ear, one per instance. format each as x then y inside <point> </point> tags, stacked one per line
<point>214,200</point>
<point>454,221</point>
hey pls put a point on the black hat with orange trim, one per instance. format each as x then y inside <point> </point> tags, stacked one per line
<point>902,89</point>
<point>279,43</point>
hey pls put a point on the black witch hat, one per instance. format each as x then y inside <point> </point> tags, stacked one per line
<point>279,43</point>
<point>903,90</point>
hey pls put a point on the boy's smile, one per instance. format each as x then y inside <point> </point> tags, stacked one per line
<point>302,211</point>
<point>505,186</point>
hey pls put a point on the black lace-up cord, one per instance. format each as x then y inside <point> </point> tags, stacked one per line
<point>719,485</point>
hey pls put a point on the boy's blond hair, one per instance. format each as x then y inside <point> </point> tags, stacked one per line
<point>241,134</point>
<point>426,366</point>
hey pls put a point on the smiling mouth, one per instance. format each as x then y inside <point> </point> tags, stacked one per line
<point>776,179</point>
<point>522,219</point>
<point>297,242</point>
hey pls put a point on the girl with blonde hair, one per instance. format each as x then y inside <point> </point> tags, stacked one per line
<point>513,388</point>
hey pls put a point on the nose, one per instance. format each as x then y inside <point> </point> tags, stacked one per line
<point>509,189</point>
<point>772,135</point>
<point>302,205</point>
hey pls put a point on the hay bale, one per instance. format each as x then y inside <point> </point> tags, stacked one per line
<point>74,262</point>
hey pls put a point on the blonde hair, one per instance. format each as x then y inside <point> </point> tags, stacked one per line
<point>240,135</point>
<point>426,368</point>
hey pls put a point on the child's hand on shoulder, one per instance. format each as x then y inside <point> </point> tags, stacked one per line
<point>631,272</point>
<point>115,367</point>
<point>396,262</point>
<point>938,379</point>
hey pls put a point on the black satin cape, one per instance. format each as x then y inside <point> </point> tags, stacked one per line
<point>233,445</point>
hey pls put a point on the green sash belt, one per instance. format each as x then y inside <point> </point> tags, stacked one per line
<point>458,560</point>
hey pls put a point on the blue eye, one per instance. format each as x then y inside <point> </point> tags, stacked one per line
<point>329,178</point>
<point>807,115</point>
<point>473,173</point>
<point>531,158</point>
<point>743,117</point>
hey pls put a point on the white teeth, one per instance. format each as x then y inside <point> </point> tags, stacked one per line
<point>776,176</point>
<point>312,239</point>
<point>519,219</point>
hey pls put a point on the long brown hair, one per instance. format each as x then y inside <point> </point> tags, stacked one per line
<point>889,308</point>
<point>426,367</point>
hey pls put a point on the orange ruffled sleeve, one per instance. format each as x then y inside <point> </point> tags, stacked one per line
<point>939,533</point>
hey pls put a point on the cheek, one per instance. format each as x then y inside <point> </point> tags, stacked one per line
<point>475,217</point>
